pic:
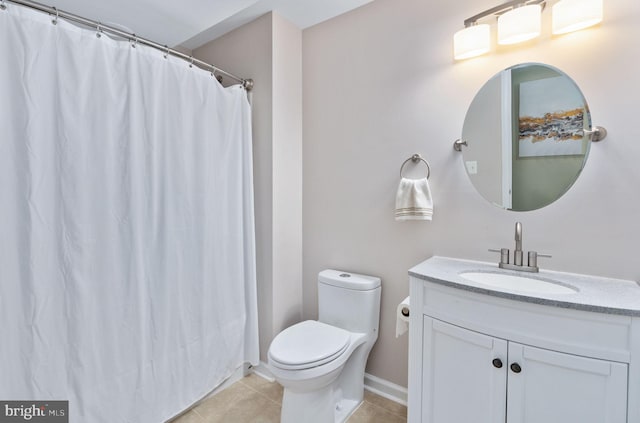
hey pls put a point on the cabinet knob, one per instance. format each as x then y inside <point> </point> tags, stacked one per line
<point>515,368</point>
<point>497,363</point>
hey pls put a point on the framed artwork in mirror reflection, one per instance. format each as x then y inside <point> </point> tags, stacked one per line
<point>551,118</point>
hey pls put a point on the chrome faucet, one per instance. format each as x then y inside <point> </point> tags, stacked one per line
<point>517,253</point>
<point>532,256</point>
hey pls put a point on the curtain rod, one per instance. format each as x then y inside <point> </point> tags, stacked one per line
<point>57,13</point>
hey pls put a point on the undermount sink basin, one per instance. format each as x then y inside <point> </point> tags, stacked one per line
<point>518,283</point>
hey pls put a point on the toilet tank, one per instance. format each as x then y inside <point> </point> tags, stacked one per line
<point>349,301</point>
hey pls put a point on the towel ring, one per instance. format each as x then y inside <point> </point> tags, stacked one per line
<point>415,159</point>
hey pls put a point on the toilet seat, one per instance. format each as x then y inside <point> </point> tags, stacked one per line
<point>308,344</point>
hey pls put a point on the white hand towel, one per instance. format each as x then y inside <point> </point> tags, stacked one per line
<point>413,200</point>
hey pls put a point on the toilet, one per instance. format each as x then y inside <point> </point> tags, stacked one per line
<point>321,363</point>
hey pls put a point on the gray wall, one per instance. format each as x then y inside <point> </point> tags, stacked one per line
<point>380,84</point>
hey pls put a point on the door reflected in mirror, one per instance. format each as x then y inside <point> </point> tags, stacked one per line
<point>526,143</point>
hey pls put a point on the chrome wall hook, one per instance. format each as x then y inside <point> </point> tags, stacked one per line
<point>598,133</point>
<point>457,144</point>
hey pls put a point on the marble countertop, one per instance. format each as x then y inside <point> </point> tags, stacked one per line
<point>596,294</point>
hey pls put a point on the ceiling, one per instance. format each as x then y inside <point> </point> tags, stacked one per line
<point>192,23</point>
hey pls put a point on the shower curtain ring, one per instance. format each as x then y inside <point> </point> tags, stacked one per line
<point>166,53</point>
<point>99,31</point>
<point>55,20</point>
<point>2,5</point>
<point>134,41</point>
<point>191,64</point>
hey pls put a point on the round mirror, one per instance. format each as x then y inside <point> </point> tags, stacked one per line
<point>526,143</point>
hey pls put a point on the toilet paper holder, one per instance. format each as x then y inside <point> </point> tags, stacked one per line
<point>402,317</point>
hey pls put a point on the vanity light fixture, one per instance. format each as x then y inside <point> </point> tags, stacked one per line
<point>475,38</point>
<point>573,15</point>
<point>520,20</point>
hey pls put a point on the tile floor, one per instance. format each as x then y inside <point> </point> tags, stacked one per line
<point>256,400</point>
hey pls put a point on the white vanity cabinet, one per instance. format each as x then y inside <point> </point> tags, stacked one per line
<point>477,356</point>
<point>472,377</point>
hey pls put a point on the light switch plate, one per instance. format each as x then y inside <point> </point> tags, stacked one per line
<point>472,167</point>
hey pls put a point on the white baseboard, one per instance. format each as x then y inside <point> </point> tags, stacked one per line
<point>262,371</point>
<point>386,389</point>
<point>372,383</point>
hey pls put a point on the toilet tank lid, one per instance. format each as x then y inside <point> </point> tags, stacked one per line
<point>348,280</point>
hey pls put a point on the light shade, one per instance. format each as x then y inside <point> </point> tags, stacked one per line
<point>572,15</point>
<point>519,24</point>
<point>471,41</point>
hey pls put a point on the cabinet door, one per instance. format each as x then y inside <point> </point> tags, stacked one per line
<point>463,375</point>
<point>553,387</point>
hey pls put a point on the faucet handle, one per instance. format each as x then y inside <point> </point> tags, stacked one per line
<point>504,254</point>
<point>533,258</point>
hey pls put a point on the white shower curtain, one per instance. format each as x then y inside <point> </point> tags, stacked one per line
<point>127,263</point>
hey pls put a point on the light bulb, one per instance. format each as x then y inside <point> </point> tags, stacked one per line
<point>573,15</point>
<point>519,24</point>
<point>471,41</point>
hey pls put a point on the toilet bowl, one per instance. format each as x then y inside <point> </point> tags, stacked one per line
<point>321,363</point>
